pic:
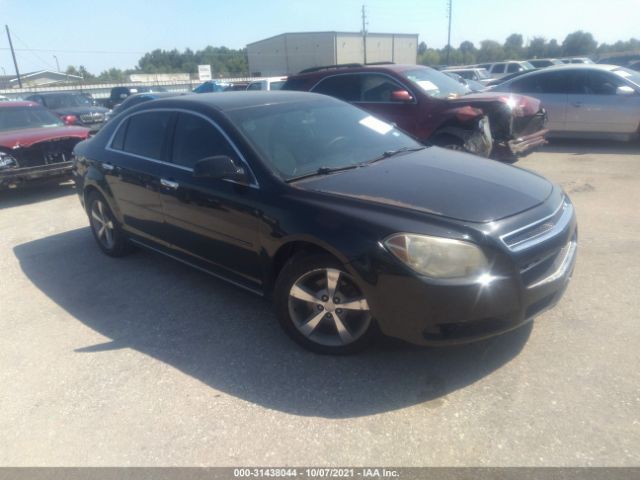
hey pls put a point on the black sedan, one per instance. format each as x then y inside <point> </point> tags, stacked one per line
<point>73,108</point>
<point>349,224</point>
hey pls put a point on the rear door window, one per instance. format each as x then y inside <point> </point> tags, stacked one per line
<point>345,87</point>
<point>548,82</point>
<point>146,134</point>
<point>196,138</point>
<point>377,88</point>
<point>514,67</point>
<point>498,68</point>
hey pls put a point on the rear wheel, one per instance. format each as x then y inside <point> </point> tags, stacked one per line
<point>321,307</point>
<point>105,227</point>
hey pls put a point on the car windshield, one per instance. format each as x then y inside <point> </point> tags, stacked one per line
<point>66,101</point>
<point>300,138</point>
<point>16,118</point>
<point>527,66</point>
<point>630,75</point>
<point>277,85</point>
<point>482,73</point>
<point>435,84</point>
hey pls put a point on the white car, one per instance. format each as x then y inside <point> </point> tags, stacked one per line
<point>271,83</point>
<point>500,69</point>
<point>584,100</point>
<point>477,74</point>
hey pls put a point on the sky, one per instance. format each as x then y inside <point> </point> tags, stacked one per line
<point>116,33</point>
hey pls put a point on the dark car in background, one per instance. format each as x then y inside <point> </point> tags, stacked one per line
<point>433,107</point>
<point>119,94</point>
<point>345,221</point>
<point>545,62</point>
<point>137,99</point>
<point>74,108</point>
<point>212,86</point>
<point>34,144</point>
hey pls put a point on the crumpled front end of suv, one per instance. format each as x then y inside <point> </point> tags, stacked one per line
<point>517,123</point>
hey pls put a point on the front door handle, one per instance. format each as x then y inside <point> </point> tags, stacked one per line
<point>108,167</point>
<point>169,183</point>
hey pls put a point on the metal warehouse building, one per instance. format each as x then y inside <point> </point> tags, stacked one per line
<point>289,53</point>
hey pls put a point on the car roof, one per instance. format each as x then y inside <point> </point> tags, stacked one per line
<point>53,94</point>
<point>19,104</point>
<point>235,100</point>
<point>355,68</point>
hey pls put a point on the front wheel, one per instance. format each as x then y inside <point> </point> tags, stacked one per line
<point>321,307</point>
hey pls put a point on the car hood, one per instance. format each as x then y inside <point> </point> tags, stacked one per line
<point>439,182</point>
<point>80,110</point>
<point>521,105</point>
<point>29,136</point>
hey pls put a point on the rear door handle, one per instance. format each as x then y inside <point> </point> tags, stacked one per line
<point>169,184</point>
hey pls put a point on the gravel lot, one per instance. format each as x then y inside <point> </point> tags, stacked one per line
<point>143,361</point>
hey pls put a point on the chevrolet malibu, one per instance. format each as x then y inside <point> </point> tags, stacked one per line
<point>348,224</point>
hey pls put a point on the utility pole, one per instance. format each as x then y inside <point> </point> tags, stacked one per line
<point>364,32</point>
<point>449,34</point>
<point>57,64</point>
<point>13,54</point>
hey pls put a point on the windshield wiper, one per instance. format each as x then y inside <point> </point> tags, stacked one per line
<point>323,171</point>
<point>391,153</point>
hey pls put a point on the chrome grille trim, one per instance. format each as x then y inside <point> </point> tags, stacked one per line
<point>567,254</point>
<point>540,230</point>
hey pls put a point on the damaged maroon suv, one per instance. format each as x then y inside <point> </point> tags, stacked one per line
<point>34,144</point>
<point>433,107</point>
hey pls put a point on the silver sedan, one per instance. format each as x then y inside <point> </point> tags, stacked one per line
<point>585,101</point>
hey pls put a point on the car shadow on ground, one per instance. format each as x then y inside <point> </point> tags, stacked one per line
<point>587,146</point>
<point>25,195</point>
<point>230,340</point>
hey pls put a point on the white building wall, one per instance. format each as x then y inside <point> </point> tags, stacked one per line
<point>289,53</point>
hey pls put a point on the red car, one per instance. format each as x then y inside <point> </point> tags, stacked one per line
<point>433,107</point>
<point>34,143</point>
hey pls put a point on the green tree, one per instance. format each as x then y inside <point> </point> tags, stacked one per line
<point>468,51</point>
<point>579,43</point>
<point>513,46</point>
<point>422,48</point>
<point>490,51</point>
<point>537,48</point>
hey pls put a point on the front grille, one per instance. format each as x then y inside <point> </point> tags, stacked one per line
<point>537,232</point>
<point>94,117</point>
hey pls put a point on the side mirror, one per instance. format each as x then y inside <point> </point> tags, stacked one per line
<point>401,96</point>
<point>625,90</point>
<point>220,167</point>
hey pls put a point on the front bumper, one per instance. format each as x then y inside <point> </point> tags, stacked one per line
<point>429,312</point>
<point>14,176</point>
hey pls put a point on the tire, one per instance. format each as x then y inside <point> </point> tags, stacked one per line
<point>105,228</point>
<point>449,141</point>
<point>337,326</point>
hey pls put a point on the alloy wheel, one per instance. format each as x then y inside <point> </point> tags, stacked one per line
<point>328,308</point>
<point>102,224</point>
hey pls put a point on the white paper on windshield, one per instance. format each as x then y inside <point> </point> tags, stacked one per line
<point>376,125</point>
<point>427,85</point>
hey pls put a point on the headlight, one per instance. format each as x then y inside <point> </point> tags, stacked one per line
<point>438,257</point>
<point>7,161</point>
